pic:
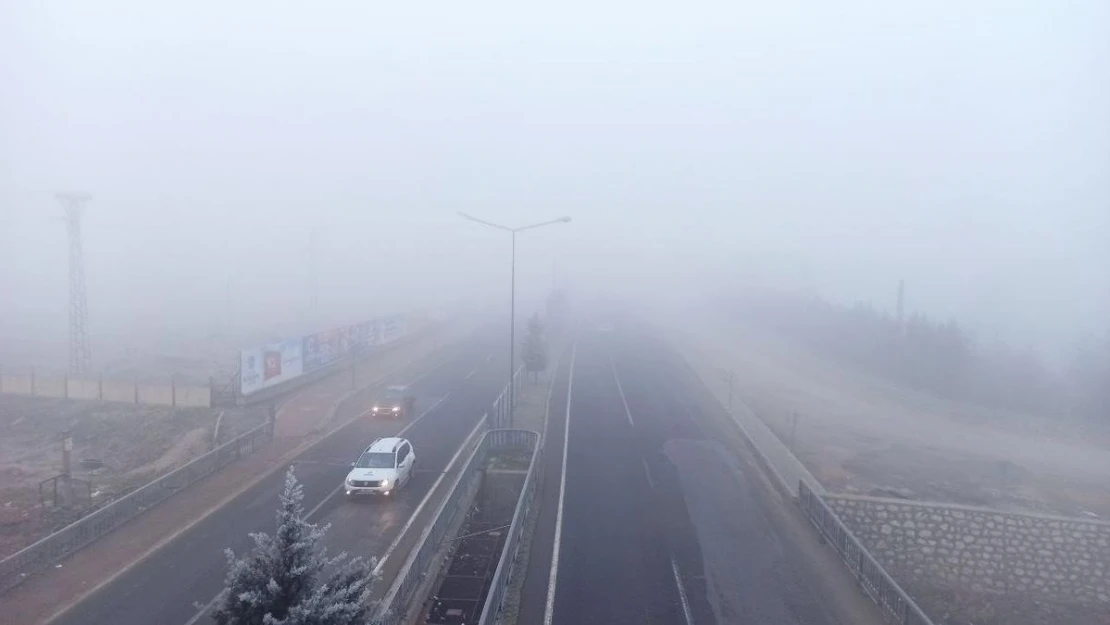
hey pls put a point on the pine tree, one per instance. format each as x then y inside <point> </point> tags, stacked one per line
<point>277,583</point>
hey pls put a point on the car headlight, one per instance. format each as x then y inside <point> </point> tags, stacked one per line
<point>396,409</point>
<point>375,409</point>
<point>385,483</point>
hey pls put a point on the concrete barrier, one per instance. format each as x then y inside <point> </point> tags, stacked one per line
<point>82,389</point>
<point>16,383</point>
<point>49,386</point>
<point>119,390</point>
<point>155,394</point>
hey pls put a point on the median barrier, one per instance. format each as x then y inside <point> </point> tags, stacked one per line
<point>407,592</point>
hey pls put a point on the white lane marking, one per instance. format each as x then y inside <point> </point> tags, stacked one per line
<point>339,489</point>
<point>430,408</point>
<point>682,593</point>
<point>471,374</point>
<point>647,472</point>
<point>550,394</point>
<point>323,501</point>
<point>620,389</point>
<point>549,609</point>
<point>203,611</point>
<point>408,524</point>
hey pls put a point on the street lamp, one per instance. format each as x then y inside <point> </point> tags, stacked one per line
<point>512,293</point>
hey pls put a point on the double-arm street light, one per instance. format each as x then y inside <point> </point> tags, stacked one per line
<point>512,293</point>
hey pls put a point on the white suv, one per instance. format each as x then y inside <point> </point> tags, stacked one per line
<point>385,466</point>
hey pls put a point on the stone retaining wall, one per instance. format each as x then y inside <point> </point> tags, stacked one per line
<point>1056,559</point>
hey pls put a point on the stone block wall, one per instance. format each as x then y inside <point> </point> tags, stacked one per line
<point>1056,559</point>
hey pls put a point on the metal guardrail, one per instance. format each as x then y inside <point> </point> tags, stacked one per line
<point>509,439</point>
<point>77,535</point>
<point>500,411</point>
<point>876,582</point>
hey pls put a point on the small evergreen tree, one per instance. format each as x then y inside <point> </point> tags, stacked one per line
<point>277,583</point>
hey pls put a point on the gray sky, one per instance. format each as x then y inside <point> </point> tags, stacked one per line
<point>964,146</point>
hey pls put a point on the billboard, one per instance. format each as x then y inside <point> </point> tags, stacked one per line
<point>274,363</point>
<point>393,328</point>
<point>269,365</point>
<point>320,349</point>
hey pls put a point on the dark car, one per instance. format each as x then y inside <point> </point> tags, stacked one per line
<point>396,404</point>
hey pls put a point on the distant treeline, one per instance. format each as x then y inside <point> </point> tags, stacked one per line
<point>939,357</point>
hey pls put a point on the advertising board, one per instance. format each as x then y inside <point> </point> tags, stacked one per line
<point>274,363</point>
<point>269,365</point>
<point>393,328</point>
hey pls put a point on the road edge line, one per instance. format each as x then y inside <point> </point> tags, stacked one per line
<point>549,608</point>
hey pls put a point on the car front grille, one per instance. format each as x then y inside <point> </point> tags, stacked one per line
<point>366,483</point>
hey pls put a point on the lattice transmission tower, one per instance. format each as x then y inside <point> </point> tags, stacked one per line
<point>79,355</point>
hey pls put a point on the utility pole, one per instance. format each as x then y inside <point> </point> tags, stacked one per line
<point>79,355</point>
<point>512,297</point>
<point>67,469</point>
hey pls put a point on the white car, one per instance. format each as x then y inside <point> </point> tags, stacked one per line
<point>386,465</point>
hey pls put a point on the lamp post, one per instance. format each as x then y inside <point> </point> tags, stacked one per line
<point>512,293</point>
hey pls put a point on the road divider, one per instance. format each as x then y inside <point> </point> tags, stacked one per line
<point>422,567</point>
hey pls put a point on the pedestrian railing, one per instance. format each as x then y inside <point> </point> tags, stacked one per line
<point>79,534</point>
<point>876,582</point>
<point>500,411</point>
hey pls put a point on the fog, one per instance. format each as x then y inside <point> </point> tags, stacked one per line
<point>229,148</point>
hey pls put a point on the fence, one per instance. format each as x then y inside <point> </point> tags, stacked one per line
<point>876,582</point>
<point>168,393</point>
<point>70,539</point>
<point>412,576</point>
<point>500,411</point>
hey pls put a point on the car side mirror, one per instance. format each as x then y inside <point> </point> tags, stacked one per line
<point>352,465</point>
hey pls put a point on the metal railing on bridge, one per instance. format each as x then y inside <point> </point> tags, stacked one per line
<point>874,579</point>
<point>403,596</point>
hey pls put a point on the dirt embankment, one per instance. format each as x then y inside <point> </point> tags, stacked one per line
<point>134,443</point>
<point>863,435</point>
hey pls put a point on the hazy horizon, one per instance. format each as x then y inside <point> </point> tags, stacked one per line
<point>962,147</point>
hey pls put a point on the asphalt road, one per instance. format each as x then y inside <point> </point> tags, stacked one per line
<point>662,521</point>
<point>167,587</point>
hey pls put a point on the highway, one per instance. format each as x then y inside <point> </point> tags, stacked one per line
<point>657,517</point>
<point>167,587</point>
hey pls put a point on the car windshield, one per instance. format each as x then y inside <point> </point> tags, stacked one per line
<point>375,460</point>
